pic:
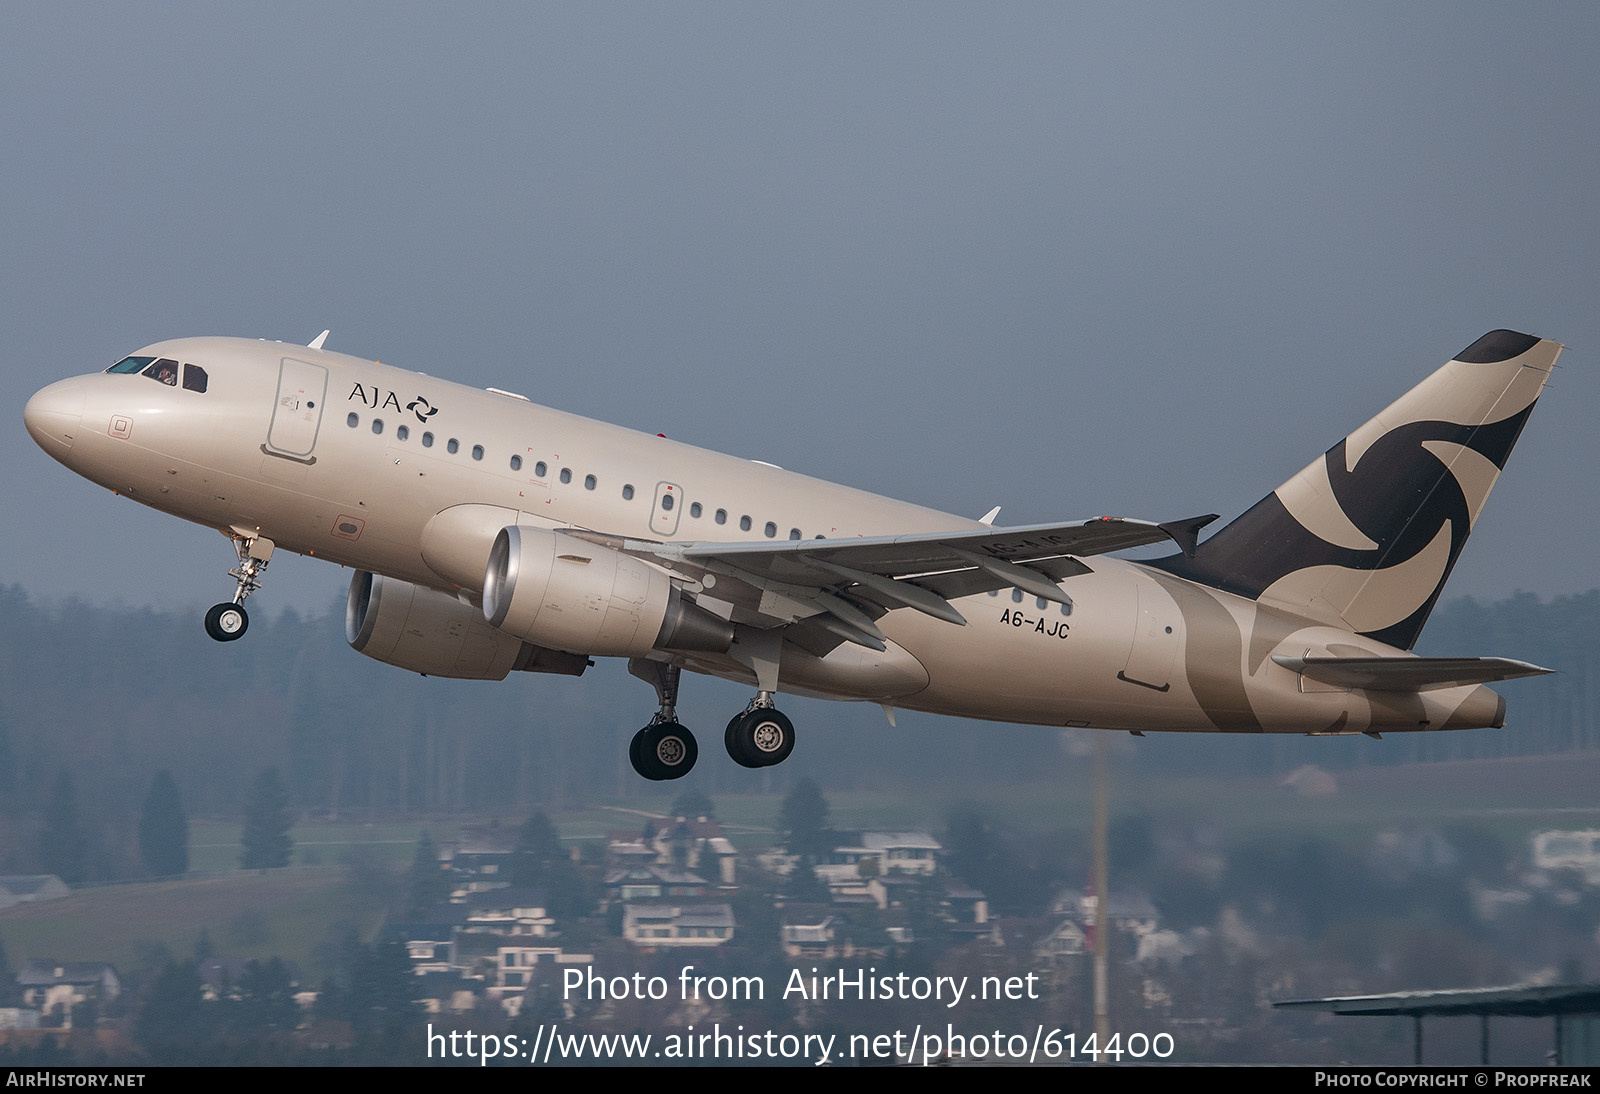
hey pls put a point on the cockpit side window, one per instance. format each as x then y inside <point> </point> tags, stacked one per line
<point>130,364</point>
<point>194,378</point>
<point>165,370</point>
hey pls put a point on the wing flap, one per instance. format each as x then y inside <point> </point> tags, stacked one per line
<point>931,552</point>
<point>835,588</point>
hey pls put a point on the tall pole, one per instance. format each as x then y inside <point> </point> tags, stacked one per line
<point>1102,894</point>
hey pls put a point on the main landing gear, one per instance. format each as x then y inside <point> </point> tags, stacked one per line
<point>758,736</point>
<point>664,749</point>
<point>227,622</point>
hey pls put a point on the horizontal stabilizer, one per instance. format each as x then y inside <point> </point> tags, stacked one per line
<point>1408,673</point>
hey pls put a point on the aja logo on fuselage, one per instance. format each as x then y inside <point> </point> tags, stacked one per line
<point>418,406</point>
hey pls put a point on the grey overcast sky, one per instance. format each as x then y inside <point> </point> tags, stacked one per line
<point>1072,259</point>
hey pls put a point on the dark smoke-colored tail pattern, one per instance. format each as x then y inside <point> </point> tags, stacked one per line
<point>1366,535</point>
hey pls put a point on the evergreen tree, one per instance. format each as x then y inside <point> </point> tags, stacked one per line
<point>8,761</point>
<point>10,990</point>
<point>63,847</point>
<point>430,886</point>
<point>164,830</point>
<point>538,849</point>
<point>803,819</point>
<point>803,886</point>
<point>266,997</point>
<point>383,989</point>
<point>171,1014</point>
<point>541,862</point>
<point>266,824</point>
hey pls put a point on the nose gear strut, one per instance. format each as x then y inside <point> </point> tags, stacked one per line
<point>227,622</point>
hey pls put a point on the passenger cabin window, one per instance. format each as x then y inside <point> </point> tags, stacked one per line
<point>695,510</point>
<point>165,370</point>
<point>516,463</point>
<point>744,524</point>
<point>352,419</point>
<point>452,446</point>
<point>590,482</point>
<point>402,432</point>
<point>566,474</point>
<point>722,516</point>
<point>794,533</point>
<point>771,529</point>
<point>427,438</point>
<point>666,503</point>
<point>377,425</point>
<point>477,451</point>
<point>131,364</point>
<point>627,492</point>
<point>540,470</point>
<point>194,378</point>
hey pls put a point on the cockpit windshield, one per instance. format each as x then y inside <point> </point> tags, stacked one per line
<point>164,369</point>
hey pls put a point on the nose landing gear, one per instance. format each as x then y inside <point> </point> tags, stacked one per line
<point>227,622</point>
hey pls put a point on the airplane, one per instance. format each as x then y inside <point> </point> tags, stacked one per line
<point>489,535</point>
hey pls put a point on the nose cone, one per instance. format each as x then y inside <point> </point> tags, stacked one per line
<point>52,416</point>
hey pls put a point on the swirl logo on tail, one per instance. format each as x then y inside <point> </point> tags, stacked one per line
<point>1367,534</point>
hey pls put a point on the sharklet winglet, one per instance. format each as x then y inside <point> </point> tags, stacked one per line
<point>1186,533</point>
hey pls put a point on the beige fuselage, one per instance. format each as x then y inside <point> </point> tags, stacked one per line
<point>325,454</point>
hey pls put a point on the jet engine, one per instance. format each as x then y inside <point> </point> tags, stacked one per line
<point>568,594</point>
<point>437,635</point>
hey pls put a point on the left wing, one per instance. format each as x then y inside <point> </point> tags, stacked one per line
<point>825,591</point>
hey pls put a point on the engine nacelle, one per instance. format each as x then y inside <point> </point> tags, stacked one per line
<point>565,593</point>
<point>435,634</point>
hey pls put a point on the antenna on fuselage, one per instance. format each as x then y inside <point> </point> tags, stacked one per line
<point>316,343</point>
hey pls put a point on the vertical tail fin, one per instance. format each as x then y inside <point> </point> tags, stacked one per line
<point>1366,535</point>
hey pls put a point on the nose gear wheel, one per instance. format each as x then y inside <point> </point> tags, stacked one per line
<point>227,622</point>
